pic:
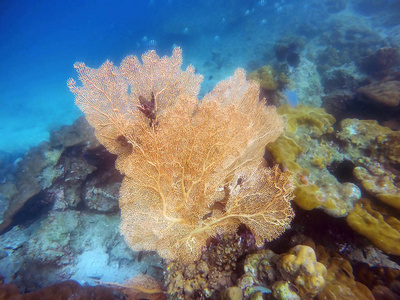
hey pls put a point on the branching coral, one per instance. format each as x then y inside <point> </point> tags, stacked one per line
<point>192,168</point>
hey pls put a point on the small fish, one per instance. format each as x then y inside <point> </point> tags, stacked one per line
<point>95,277</point>
<point>261,289</point>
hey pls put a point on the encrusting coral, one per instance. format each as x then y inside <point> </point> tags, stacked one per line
<point>300,266</point>
<point>306,150</point>
<point>293,275</point>
<point>192,168</point>
<point>340,282</point>
<point>268,78</point>
<point>376,223</point>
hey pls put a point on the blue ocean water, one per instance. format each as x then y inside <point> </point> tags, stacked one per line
<point>41,40</point>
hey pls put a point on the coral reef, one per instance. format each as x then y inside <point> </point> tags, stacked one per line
<point>194,173</point>
<point>50,245</point>
<point>306,150</point>
<point>368,154</point>
<point>339,80</point>
<point>295,274</point>
<point>360,135</point>
<point>373,150</point>
<point>268,78</point>
<point>54,168</point>
<point>385,93</point>
<point>379,183</point>
<point>300,266</point>
<point>34,172</point>
<point>377,224</point>
<point>219,265</point>
<point>344,104</point>
<point>192,178</point>
<point>192,169</point>
<point>70,228</point>
<point>340,281</point>
<point>388,147</point>
<point>347,41</point>
<point>213,273</point>
<point>307,83</point>
<point>300,273</point>
<point>379,63</point>
<point>232,293</point>
<point>381,280</point>
<point>317,119</point>
<point>287,49</point>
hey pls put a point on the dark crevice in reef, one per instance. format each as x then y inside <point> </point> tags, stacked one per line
<point>33,209</point>
<point>342,170</point>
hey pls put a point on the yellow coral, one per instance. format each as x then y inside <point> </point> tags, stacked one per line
<point>377,224</point>
<point>330,198</point>
<point>340,282</point>
<point>192,168</point>
<point>307,196</point>
<point>388,145</point>
<point>318,161</point>
<point>266,77</point>
<point>361,133</point>
<point>380,184</point>
<point>285,151</point>
<point>319,121</point>
<point>281,290</point>
<point>301,267</point>
<point>302,151</point>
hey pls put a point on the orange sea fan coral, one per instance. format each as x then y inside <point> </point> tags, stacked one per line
<point>110,95</point>
<point>192,168</point>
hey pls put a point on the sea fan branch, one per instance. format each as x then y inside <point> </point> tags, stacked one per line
<point>182,157</point>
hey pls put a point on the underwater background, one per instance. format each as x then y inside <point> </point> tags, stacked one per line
<point>331,68</point>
